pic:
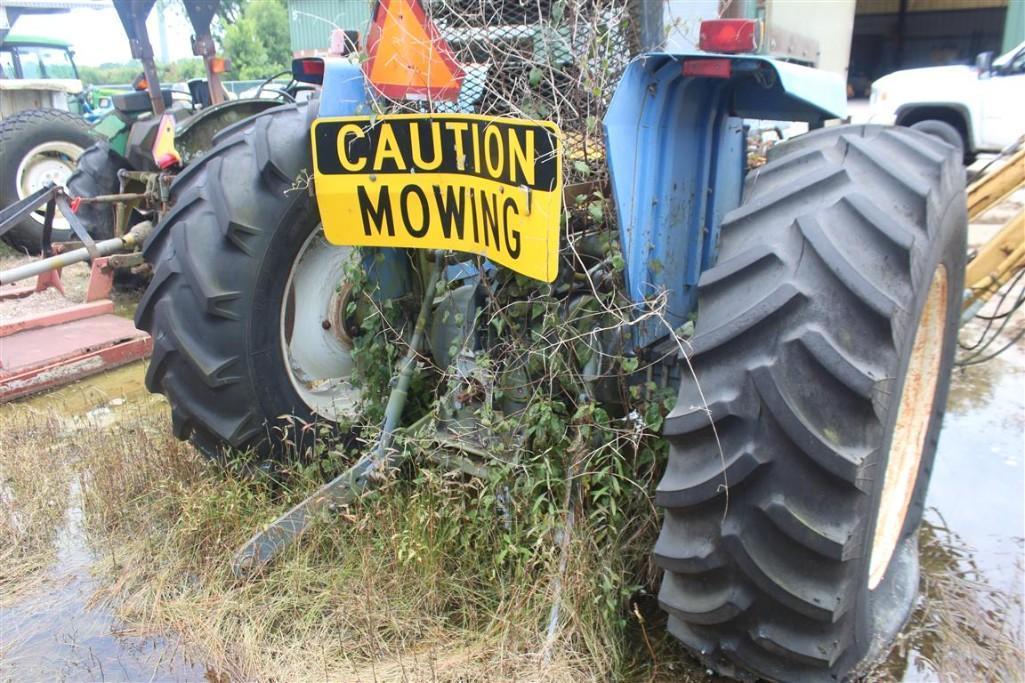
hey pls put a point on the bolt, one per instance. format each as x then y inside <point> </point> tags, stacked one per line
<point>326,324</point>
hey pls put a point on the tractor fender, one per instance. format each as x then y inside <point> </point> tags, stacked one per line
<point>344,91</point>
<point>676,154</point>
<point>194,136</point>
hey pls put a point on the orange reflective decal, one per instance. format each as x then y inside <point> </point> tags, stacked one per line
<point>408,58</point>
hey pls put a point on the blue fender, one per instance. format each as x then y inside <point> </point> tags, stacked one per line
<point>676,152</point>
<point>344,93</point>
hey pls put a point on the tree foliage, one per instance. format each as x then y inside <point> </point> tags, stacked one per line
<point>253,34</point>
<point>125,72</point>
<point>257,42</point>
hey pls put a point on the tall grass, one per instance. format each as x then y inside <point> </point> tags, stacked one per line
<point>431,577</point>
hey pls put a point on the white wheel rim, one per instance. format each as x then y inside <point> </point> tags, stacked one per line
<point>49,162</point>
<point>316,352</point>
<point>913,417</point>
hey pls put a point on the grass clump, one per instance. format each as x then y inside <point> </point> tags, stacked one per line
<point>420,579</point>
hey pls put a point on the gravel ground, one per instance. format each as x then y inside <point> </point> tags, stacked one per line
<point>75,279</point>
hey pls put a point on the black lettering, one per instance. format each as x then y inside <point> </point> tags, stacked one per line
<point>475,138</point>
<point>473,212</point>
<point>379,214</point>
<point>489,217</point>
<point>424,210</point>
<point>451,211</point>
<point>465,148</point>
<point>510,203</point>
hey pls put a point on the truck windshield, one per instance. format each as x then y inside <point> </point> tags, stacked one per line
<point>45,62</point>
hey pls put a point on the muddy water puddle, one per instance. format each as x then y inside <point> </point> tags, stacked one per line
<point>57,629</point>
<point>971,551</point>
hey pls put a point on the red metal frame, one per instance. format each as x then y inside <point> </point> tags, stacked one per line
<point>57,317</point>
<point>64,371</point>
<point>48,349</point>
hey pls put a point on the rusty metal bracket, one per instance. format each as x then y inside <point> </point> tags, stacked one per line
<point>1004,253</point>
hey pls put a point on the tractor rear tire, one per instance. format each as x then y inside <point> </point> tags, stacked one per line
<point>221,258</point>
<point>946,132</point>
<point>95,175</point>
<point>821,361</point>
<point>59,138</point>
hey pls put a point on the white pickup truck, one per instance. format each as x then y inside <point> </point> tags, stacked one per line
<point>978,109</point>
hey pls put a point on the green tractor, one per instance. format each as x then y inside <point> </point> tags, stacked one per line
<point>42,130</point>
<point>51,133</point>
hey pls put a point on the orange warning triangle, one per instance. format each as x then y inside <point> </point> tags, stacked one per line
<point>408,58</point>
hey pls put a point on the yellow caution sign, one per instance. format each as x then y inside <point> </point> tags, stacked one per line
<point>462,182</point>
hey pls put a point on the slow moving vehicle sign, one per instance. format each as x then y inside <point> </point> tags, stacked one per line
<point>464,182</point>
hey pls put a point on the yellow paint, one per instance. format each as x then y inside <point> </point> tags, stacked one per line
<point>462,182</point>
<point>343,145</point>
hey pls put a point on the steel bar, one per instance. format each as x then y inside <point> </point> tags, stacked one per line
<point>77,227</point>
<point>14,213</point>
<point>27,270</point>
<point>111,198</point>
<point>132,240</point>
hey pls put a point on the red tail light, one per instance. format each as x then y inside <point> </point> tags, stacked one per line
<point>707,68</point>
<point>730,35</point>
<point>313,67</point>
<point>308,70</point>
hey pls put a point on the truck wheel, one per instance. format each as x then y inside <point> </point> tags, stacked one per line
<point>96,174</point>
<point>243,307</point>
<point>37,146</point>
<point>946,132</point>
<point>801,446</point>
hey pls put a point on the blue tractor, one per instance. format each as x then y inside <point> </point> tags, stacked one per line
<point>804,312</point>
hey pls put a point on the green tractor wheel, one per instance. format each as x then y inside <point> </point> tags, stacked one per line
<point>802,444</point>
<point>38,146</point>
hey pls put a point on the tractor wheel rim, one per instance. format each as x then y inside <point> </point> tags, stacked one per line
<point>913,418</point>
<point>317,352</point>
<point>49,162</point>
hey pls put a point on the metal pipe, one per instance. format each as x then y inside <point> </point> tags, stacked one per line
<point>132,240</point>
<point>397,398</point>
<point>267,544</point>
<point>111,198</point>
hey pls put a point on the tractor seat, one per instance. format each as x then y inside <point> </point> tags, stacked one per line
<point>137,102</point>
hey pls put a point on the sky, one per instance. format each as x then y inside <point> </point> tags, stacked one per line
<point>97,35</point>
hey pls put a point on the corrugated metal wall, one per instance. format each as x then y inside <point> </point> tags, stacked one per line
<point>933,33</point>
<point>892,6</point>
<point>310,22</point>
